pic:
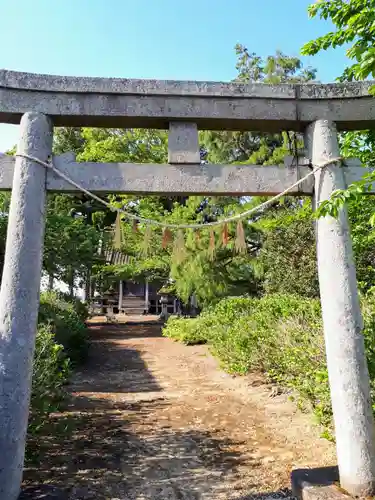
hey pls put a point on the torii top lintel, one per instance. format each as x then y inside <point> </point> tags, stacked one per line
<point>118,102</point>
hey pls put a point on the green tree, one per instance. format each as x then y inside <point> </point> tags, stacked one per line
<point>254,147</point>
<point>70,245</point>
<point>68,139</point>
<point>363,238</point>
<point>206,274</point>
<point>72,233</point>
<point>209,275</point>
<point>354,21</point>
<point>287,259</point>
<point>4,208</point>
<point>134,146</point>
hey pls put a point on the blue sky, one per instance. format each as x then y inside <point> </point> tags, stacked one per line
<point>166,39</point>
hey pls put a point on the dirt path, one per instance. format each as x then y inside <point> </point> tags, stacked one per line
<point>153,419</point>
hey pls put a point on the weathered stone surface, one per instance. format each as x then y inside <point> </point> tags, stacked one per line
<point>342,321</point>
<point>346,113</point>
<point>57,83</point>
<point>333,90</point>
<point>116,102</point>
<point>189,179</point>
<point>183,145</point>
<point>19,298</point>
<point>54,83</point>
<point>148,111</point>
<point>317,484</point>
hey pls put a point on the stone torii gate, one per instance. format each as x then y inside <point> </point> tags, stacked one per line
<point>39,102</point>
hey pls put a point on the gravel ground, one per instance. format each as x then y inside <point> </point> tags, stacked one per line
<point>149,418</point>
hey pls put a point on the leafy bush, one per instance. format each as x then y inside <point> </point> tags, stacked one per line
<point>287,258</point>
<point>368,313</point>
<point>67,324</point>
<point>280,335</point>
<point>188,331</point>
<point>50,373</point>
<point>81,308</point>
<point>61,342</point>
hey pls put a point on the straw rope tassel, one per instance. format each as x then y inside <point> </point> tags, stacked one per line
<point>240,242</point>
<point>167,237</point>
<point>146,241</point>
<point>117,238</point>
<point>225,235</point>
<point>179,250</point>
<point>135,226</point>
<point>211,247</point>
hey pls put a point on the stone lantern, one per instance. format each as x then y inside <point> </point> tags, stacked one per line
<point>165,292</point>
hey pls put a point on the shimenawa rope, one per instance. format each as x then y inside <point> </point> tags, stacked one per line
<point>153,222</point>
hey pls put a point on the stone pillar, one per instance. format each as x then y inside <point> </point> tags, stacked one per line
<point>164,307</point>
<point>146,297</point>
<point>347,366</point>
<point>183,144</point>
<point>120,296</point>
<point>19,297</point>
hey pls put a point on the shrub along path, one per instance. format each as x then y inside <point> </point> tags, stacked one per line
<point>153,419</point>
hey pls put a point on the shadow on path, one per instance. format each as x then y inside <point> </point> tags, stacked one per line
<point>115,367</point>
<point>93,450</point>
<point>144,422</point>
